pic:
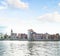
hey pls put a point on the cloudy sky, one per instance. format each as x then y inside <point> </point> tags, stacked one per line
<point>20,15</point>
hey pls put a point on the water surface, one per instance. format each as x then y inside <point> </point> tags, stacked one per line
<point>25,48</point>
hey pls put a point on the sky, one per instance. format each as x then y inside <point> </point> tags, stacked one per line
<point>20,15</point>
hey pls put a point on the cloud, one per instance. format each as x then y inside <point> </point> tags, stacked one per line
<point>3,5</point>
<point>13,3</point>
<point>17,24</point>
<point>58,4</point>
<point>17,3</point>
<point>50,17</point>
<point>11,23</point>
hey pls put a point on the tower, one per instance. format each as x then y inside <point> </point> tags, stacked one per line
<point>30,34</point>
<point>11,32</point>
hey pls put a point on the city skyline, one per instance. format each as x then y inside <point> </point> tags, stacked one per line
<point>20,15</point>
<point>31,36</point>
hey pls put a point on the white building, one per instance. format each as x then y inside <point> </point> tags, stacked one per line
<point>30,34</point>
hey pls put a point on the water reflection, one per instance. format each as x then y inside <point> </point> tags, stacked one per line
<point>2,48</point>
<point>21,48</point>
<point>43,49</point>
<point>30,48</point>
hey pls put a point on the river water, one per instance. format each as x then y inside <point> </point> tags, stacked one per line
<point>26,48</point>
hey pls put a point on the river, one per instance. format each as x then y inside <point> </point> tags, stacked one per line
<point>29,48</point>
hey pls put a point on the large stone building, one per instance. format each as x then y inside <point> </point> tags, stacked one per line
<point>37,36</point>
<point>13,36</point>
<point>22,36</point>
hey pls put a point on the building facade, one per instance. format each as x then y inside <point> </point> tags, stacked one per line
<point>30,34</point>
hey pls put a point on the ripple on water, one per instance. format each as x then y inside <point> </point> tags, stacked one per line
<point>29,48</point>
